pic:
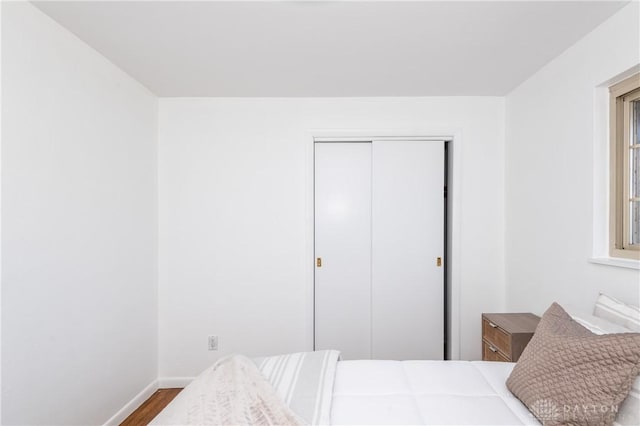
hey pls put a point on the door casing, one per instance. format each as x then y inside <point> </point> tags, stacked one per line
<point>454,140</point>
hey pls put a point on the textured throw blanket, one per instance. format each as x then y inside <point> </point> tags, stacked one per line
<point>283,390</point>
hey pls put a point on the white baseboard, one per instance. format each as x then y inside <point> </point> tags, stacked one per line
<point>174,382</point>
<point>132,405</point>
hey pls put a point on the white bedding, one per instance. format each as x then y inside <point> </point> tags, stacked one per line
<point>426,392</point>
<point>376,392</point>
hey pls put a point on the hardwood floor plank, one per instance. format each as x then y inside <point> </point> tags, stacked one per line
<point>151,407</point>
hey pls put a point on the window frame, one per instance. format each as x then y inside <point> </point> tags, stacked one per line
<point>621,96</point>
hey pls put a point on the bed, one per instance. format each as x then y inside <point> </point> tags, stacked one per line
<point>426,392</point>
<point>318,388</point>
<point>377,392</point>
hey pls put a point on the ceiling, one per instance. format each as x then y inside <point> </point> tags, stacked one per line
<point>325,48</point>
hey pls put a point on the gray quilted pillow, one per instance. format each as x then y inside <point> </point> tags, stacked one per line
<point>568,375</point>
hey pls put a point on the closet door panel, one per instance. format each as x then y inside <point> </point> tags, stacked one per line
<point>408,237</point>
<point>343,242</point>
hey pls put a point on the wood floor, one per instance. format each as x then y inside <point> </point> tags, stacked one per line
<point>151,407</point>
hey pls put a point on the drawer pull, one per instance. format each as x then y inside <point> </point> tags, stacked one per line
<point>492,349</point>
<point>492,325</point>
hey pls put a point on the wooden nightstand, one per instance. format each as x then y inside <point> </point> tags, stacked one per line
<point>504,336</point>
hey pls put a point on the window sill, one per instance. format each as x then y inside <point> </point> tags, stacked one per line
<point>616,261</point>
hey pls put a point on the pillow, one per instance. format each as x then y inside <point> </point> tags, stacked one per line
<point>568,375</point>
<point>617,312</point>
<point>595,324</point>
<point>629,412</point>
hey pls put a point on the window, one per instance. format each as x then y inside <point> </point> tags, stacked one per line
<point>625,169</point>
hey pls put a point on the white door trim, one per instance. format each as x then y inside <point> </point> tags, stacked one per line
<point>381,138</point>
<point>449,134</point>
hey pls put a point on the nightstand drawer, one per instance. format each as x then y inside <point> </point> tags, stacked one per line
<point>496,337</point>
<point>491,353</point>
<point>505,335</point>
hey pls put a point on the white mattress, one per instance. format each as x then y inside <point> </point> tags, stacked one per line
<point>426,392</point>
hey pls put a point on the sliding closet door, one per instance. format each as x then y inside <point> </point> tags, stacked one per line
<point>343,248</point>
<point>408,239</point>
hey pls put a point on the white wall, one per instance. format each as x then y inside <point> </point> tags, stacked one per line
<point>0,219</point>
<point>550,174</point>
<point>79,265</point>
<point>235,190</point>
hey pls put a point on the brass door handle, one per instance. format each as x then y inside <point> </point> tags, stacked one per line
<point>319,262</point>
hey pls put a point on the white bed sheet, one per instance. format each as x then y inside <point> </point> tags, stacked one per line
<point>425,392</point>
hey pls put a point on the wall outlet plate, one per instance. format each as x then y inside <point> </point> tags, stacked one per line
<point>213,343</point>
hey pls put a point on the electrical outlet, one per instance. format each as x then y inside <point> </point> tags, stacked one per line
<point>213,343</point>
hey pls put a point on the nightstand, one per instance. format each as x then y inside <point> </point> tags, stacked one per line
<point>504,336</point>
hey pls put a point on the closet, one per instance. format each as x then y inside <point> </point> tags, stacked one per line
<point>379,247</point>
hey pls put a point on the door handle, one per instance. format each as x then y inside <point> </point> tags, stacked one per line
<point>319,262</point>
<point>438,261</point>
